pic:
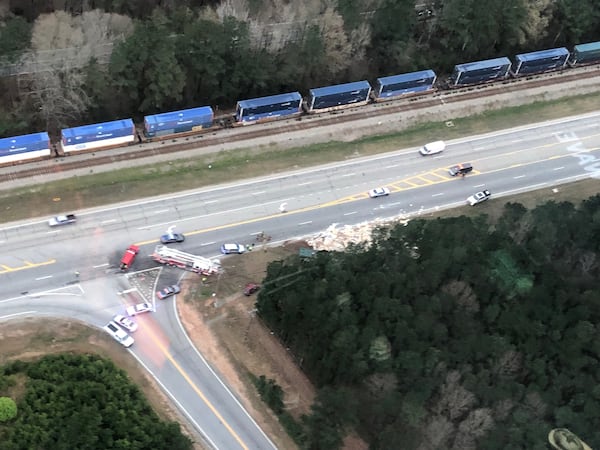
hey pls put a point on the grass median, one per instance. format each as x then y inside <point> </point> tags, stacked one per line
<point>132,183</point>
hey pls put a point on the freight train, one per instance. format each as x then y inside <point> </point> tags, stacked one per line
<point>319,100</point>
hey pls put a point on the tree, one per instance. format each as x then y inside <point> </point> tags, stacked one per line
<point>392,26</point>
<point>8,409</point>
<point>145,70</point>
<point>15,36</point>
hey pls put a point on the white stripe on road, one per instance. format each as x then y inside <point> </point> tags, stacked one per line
<point>437,195</point>
<point>43,278</point>
<point>305,223</point>
<point>100,265</point>
<point>520,176</point>
<point>558,168</point>
<point>208,243</point>
<point>350,213</point>
<point>108,221</point>
<point>17,314</point>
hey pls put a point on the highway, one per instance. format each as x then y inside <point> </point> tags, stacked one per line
<point>72,271</point>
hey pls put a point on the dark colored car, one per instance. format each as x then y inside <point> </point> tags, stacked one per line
<point>460,169</point>
<point>171,238</point>
<point>168,291</point>
<point>251,288</point>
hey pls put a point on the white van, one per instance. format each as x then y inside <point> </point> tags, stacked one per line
<point>432,148</point>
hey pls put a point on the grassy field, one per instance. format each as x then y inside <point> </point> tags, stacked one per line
<point>145,181</point>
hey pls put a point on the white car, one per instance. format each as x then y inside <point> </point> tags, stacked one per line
<point>479,197</point>
<point>139,309</point>
<point>226,249</point>
<point>379,192</point>
<point>125,322</point>
<point>433,148</point>
<point>118,334</point>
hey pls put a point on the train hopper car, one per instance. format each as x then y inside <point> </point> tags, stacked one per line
<point>98,136</point>
<point>264,109</point>
<point>26,147</point>
<point>480,72</point>
<point>542,61</point>
<point>584,54</point>
<point>175,122</point>
<point>390,88</point>
<point>339,96</point>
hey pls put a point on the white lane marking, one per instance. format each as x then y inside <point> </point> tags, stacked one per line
<point>305,223</point>
<point>100,265</point>
<point>211,201</point>
<point>348,175</point>
<point>389,166</point>
<point>515,141</point>
<point>395,204</point>
<point>479,185</point>
<point>305,184</point>
<point>204,216</point>
<point>160,211</point>
<point>108,221</point>
<point>437,195</point>
<point>2,242</point>
<point>208,243</point>
<point>258,193</point>
<point>520,176</point>
<point>17,314</point>
<point>53,232</point>
<point>43,278</point>
<point>479,148</point>
<point>174,303</point>
<point>558,168</point>
<point>350,213</point>
<point>187,414</point>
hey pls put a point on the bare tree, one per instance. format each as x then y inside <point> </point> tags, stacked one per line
<point>437,434</point>
<point>539,14</point>
<point>475,425</point>
<point>338,49</point>
<point>455,401</point>
<point>509,364</point>
<point>465,297</point>
<point>63,45</point>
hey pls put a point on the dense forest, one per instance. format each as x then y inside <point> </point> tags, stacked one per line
<point>454,333</point>
<point>81,402</point>
<point>65,63</point>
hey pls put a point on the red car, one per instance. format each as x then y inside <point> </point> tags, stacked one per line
<point>251,288</point>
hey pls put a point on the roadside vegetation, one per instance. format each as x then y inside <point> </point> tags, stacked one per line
<point>64,64</point>
<point>68,401</point>
<point>139,182</point>
<point>460,332</point>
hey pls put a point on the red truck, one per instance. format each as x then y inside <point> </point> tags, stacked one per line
<point>128,257</point>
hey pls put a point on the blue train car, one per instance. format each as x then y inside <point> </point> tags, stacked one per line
<point>268,108</point>
<point>21,148</point>
<point>337,97</point>
<point>542,61</point>
<point>175,122</point>
<point>586,54</point>
<point>98,136</point>
<point>388,88</point>
<point>480,72</point>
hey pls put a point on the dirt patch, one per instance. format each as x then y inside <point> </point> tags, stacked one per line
<point>225,328</point>
<point>31,338</point>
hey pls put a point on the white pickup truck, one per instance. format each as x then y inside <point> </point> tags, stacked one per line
<point>62,220</point>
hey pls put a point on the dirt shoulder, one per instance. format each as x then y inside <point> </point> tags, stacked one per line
<point>35,337</point>
<point>236,343</point>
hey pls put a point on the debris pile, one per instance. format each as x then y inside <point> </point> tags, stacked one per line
<point>337,239</point>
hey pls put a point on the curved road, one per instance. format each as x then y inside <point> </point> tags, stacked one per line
<point>38,265</point>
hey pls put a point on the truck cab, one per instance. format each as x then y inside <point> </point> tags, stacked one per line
<point>129,257</point>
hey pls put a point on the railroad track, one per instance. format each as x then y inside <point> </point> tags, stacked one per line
<point>308,122</point>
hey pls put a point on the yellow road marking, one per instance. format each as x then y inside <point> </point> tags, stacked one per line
<point>28,265</point>
<point>356,197</point>
<point>197,390</point>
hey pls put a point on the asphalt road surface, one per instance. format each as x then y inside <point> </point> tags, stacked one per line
<point>73,271</point>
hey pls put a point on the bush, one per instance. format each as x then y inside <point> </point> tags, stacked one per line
<point>8,409</point>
